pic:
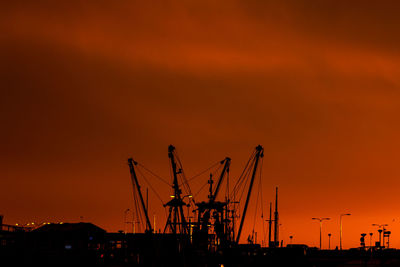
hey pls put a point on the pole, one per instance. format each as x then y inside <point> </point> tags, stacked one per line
<point>320,229</point>
<point>340,232</point>
<point>154,223</point>
<point>341,228</point>
<point>380,232</point>
<point>320,234</point>
<point>329,244</point>
<point>276,220</point>
<point>269,224</point>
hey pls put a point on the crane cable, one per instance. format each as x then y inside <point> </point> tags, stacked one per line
<point>202,172</point>
<point>213,174</point>
<point>259,195</point>
<point>246,178</point>
<point>262,201</point>
<point>151,187</point>
<point>155,175</point>
<point>183,176</point>
<point>241,177</point>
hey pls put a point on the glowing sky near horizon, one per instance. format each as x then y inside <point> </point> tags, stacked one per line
<point>85,85</point>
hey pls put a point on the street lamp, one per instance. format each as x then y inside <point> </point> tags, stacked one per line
<point>370,239</point>
<point>329,244</point>
<point>341,233</point>
<point>380,231</point>
<point>320,229</point>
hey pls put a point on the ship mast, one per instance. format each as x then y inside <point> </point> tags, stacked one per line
<point>276,220</point>
<point>176,222</point>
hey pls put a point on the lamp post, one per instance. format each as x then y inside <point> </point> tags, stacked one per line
<point>341,232</point>
<point>329,244</point>
<point>380,231</point>
<point>320,229</point>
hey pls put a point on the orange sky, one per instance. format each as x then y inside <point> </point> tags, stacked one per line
<point>87,85</point>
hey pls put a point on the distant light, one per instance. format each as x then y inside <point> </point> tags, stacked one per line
<point>172,196</point>
<point>16,224</point>
<point>61,222</point>
<point>190,197</point>
<point>68,246</point>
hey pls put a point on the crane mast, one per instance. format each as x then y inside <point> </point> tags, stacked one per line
<point>176,221</point>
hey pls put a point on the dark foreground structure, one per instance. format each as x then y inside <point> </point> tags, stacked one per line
<point>209,238</point>
<point>84,244</point>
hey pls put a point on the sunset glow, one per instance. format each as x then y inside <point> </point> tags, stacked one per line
<point>87,85</point>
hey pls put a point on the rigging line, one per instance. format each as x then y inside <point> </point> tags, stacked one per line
<point>151,187</point>
<point>258,197</point>
<point>260,187</point>
<point>140,221</point>
<point>201,188</point>
<point>227,186</point>
<point>171,174</point>
<point>134,203</point>
<point>186,184</point>
<point>155,175</point>
<point>213,175</point>
<point>246,177</point>
<point>262,201</point>
<point>255,214</point>
<point>137,211</point>
<point>197,175</point>
<point>183,176</point>
<point>240,190</point>
<point>245,168</point>
<point>244,186</point>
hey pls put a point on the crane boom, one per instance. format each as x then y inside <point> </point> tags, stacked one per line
<point>221,177</point>
<point>259,153</point>
<point>131,164</point>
